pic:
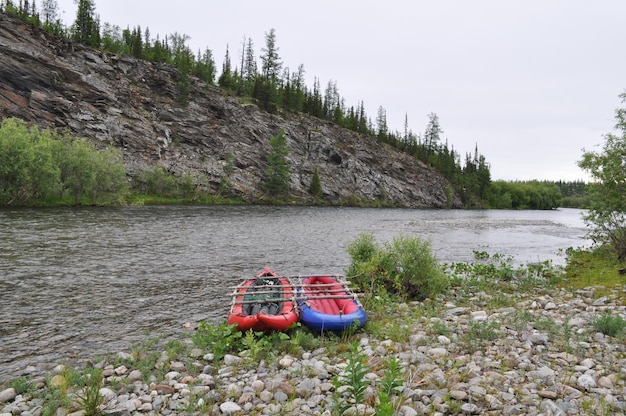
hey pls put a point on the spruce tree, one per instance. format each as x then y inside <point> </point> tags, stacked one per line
<point>277,172</point>
<point>315,188</point>
<point>266,86</point>
<point>86,28</point>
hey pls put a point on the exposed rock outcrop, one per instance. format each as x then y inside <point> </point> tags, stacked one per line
<point>131,104</point>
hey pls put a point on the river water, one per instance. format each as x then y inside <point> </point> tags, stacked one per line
<point>90,281</point>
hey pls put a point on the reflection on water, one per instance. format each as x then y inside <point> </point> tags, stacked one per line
<point>92,281</point>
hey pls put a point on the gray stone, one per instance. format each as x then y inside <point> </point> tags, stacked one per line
<point>230,408</point>
<point>230,359</point>
<point>280,396</point>
<point>107,393</point>
<point>134,375</point>
<point>541,373</point>
<point>408,411</point>
<point>470,409</point>
<point>7,395</point>
<point>457,311</point>
<point>177,366</point>
<point>551,408</point>
<point>586,381</point>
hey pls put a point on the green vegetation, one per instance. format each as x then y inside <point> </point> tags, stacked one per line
<point>350,386</point>
<point>90,399</point>
<point>221,339</point>
<point>24,386</point>
<point>595,267</point>
<point>277,173</point>
<point>315,187</point>
<point>404,268</point>
<point>39,167</point>
<point>607,191</point>
<point>46,168</point>
<point>524,195</point>
<point>574,194</point>
<point>609,324</point>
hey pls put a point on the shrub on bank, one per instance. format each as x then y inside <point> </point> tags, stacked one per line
<point>404,268</point>
<point>42,167</point>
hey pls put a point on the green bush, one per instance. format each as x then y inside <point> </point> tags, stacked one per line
<point>156,181</point>
<point>41,167</point>
<point>28,172</point>
<point>220,340</point>
<point>405,268</point>
<point>611,325</point>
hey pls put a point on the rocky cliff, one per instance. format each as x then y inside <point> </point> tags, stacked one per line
<point>131,104</point>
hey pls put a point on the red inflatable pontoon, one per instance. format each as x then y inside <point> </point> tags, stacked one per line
<point>264,303</point>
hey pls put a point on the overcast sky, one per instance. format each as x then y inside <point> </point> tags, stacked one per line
<point>530,82</point>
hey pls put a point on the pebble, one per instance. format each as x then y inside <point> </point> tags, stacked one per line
<point>7,395</point>
<point>230,408</point>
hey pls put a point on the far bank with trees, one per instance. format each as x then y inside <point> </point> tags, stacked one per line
<point>276,89</point>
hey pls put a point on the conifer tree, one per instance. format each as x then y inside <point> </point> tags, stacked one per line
<point>205,67</point>
<point>49,10</point>
<point>266,86</point>
<point>226,79</point>
<point>250,70</point>
<point>277,173</point>
<point>271,61</point>
<point>315,188</point>
<point>381,123</point>
<point>86,28</point>
<point>433,133</point>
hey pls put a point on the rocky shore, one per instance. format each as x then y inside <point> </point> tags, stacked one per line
<point>537,353</point>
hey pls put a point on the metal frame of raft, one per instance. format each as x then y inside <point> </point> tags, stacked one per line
<point>292,286</point>
<point>296,298</point>
<point>323,293</point>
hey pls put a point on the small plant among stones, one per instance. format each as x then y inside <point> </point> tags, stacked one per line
<point>480,332</point>
<point>23,386</point>
<point>90,399</point>
<point>174,348</point>
<point>611,325</point>
<point>261,345</point>
<point>393,379</point>
<point>350,386</point>
<point>220,340</point>
<point>439,327</point>
<point>53,399</point>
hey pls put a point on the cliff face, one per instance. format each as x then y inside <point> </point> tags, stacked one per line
<point>132,104</point>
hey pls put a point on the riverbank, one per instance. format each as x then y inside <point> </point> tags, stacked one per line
<point>498,348</point>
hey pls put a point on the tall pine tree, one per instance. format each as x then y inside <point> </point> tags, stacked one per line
<point>86,28</point>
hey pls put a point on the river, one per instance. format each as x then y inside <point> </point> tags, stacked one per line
<point>90,281</point>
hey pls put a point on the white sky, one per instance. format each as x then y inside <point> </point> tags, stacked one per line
<point>531,82</point>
